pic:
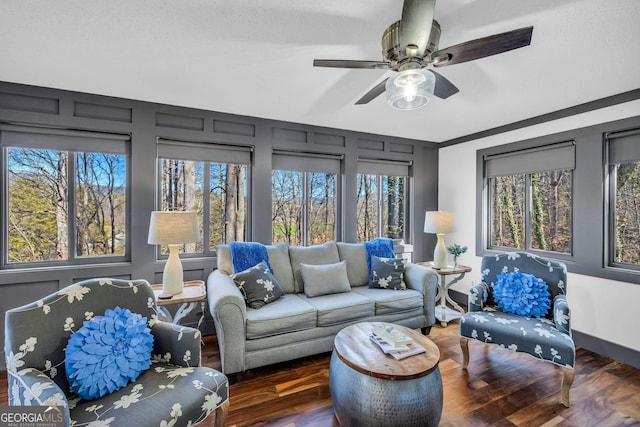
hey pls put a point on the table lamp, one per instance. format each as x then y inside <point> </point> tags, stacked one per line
<point>173,228</point>
<point>440,223</point>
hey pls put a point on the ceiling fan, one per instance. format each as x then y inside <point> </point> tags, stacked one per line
<point>410,45</point>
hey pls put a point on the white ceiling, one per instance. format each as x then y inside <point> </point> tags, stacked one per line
<point>255,57</point>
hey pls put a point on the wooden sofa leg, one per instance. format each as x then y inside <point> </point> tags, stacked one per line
<point>464,345</point>
<point>567,380</point>
<point>426,330</point>
<point>221,413</point>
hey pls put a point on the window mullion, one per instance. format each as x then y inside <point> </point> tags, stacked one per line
<point>380,224</point>
<point>72,159</point>
<point>528,196</point>
<point>206,208</point>
<point>305,208</point>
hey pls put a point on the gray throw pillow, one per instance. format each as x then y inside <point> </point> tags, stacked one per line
<point>387,273</point>
<point>258,286</point>
<point>325,279</point>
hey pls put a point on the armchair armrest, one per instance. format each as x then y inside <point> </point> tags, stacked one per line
<point>562,314</point>
<point>179,345</point>
<point>478,296</point>
<point>229,314</point>
<point>425,281</point>
<point>31,387</point>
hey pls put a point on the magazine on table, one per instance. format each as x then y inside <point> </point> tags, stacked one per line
<point>392,335</point>
<point>398,353</point>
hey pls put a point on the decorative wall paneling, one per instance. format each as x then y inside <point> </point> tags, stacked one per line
<point>146,122</point>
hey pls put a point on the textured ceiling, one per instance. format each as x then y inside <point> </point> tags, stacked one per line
<point>255,57</point>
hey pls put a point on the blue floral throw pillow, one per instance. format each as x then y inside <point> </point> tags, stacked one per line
<point>108,352</point>
<point>522,294</point>
<point>387,273</point>
<point>258,286</point>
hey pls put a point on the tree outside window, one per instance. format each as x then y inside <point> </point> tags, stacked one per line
<point>42,185</point>
<point>381,206</point>
<point>303,207</point>
<point>223,204</point>
<point>626,213</point>
<point>532,211</point>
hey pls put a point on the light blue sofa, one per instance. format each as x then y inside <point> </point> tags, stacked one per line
<point>295,325</point>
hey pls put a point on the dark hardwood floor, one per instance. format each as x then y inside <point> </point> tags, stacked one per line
<point>501,388</point>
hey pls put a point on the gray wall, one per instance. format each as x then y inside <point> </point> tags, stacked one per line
<point>147,121</point>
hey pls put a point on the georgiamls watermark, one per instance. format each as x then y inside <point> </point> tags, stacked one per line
<point>31,416</point>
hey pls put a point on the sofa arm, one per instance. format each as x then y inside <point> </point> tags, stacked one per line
<point>425,281</point>
<point>229,312</point>
<point>179,345</point>
<point>31,387</point>
<point>562,314</point>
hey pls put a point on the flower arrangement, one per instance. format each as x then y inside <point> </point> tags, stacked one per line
<point>456,250</point>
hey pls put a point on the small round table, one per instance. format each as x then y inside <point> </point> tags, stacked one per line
<point>193,292</point>
<point>370,388</point>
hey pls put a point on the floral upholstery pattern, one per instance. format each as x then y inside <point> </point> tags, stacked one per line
<point>547,338</point>
<point>174,391</point>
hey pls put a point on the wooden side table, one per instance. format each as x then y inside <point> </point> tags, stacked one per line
<point>194,292</point>
<point>443,313</point>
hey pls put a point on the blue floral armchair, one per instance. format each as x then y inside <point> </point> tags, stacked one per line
<point>546,338</point>
<point>174,391</point>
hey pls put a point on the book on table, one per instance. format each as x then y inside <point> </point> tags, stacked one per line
<point>394,336</point>
<point>398,353</point>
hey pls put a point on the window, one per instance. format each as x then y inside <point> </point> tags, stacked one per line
<point>211,180</point>
<point>66,196</point>
<point>304,198</point>
<point>530,199</point>
<point>382,199</point>
<point>624,199</point>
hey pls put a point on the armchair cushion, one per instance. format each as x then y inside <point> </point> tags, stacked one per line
<point>258,286</point>
<point>108,352</point>
<point>521,293</point>
<point>536,337</point>
<point>387,273</point>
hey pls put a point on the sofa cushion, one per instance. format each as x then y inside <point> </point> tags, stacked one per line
<point>387,273</point>
<point>389,301</point>
<point>289,313</point>
<point>356,257</point>
<point>324,279</point>
<point>342,308</point>
<point>258,286</point>
<point>278,257</point>
<point>326,253</point>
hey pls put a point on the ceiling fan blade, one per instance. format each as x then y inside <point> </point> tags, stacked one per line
<point>373,93</point>
<point>345,63</point>
<point>444,88</point>
<point>485,46</point>
<point>415,24</point>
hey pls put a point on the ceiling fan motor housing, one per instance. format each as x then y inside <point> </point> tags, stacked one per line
<point>397,56</point>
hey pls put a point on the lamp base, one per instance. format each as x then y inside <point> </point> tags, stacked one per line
<point>440,253</point>
<point>172,278</point>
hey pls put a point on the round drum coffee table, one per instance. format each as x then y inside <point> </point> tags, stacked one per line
<point>370,388</point>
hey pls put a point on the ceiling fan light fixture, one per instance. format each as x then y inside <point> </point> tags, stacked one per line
<point>410,89</point>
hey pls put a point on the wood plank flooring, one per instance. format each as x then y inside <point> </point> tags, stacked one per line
<point>501,388</point>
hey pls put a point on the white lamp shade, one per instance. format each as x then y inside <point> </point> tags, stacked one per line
<point>410,89</point>
<point>439,222</point>
<point>173,227</point>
